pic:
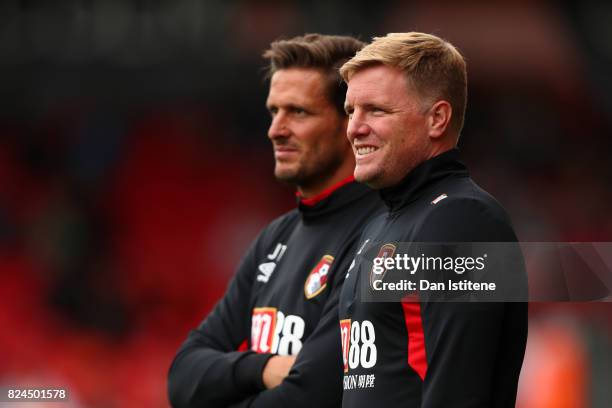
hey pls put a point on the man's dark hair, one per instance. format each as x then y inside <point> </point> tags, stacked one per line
<point>324,52</point>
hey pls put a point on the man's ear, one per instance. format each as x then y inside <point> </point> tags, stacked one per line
<point>438,119</point>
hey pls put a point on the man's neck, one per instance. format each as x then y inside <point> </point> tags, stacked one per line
<point>313,196</point>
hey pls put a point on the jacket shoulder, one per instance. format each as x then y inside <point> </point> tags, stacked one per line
<point>279,227</point>
<point>465,212</point>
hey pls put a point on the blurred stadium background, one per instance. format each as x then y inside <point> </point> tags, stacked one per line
<point>135,169</point>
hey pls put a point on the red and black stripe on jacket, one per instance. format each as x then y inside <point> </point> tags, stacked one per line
<point>432,354</point>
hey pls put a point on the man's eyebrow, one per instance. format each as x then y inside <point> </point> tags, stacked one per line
<point>366,106</point>
<point>295,106</point>
<point>372,105</point>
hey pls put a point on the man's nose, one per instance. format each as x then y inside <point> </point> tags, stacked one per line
<point>279,127</point>
<point>357,127</point>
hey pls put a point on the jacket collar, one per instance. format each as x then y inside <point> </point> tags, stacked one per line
<point>422,176</point>
<point>331,200</point>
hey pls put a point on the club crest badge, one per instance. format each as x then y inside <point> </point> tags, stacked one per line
<point>316,281</point>
<point>386,251</point>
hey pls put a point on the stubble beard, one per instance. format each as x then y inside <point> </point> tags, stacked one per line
<point>305,173</point>
<point>382,176</point>
<point>286,175</point>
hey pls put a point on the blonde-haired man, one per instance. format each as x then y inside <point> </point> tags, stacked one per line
<point>406,101</point>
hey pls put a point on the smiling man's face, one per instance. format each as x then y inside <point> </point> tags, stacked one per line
<point>387,125</point>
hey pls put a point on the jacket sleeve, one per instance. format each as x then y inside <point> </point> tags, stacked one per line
<point>207,370</point>
<point>462,339</point>
<point>315,379</point>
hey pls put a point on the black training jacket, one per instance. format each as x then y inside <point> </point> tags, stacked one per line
<point>282,300</point>
<point>416,353</point>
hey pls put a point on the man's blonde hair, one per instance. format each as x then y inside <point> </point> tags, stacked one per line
<point>434,67</point>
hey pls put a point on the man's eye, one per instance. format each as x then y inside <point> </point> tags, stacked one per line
<point>272,111</point>
<point>378,111</point>
<point>299,111</point>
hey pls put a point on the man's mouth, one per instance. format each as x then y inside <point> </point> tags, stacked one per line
<point>284,149</point>
<point>284,152</point>
<point>365,150</point>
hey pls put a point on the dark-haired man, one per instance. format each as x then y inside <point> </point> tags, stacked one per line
<point>282,302</point>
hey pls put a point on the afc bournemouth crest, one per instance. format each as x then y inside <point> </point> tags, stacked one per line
<point>317,279</point>
<point>386,251</point>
